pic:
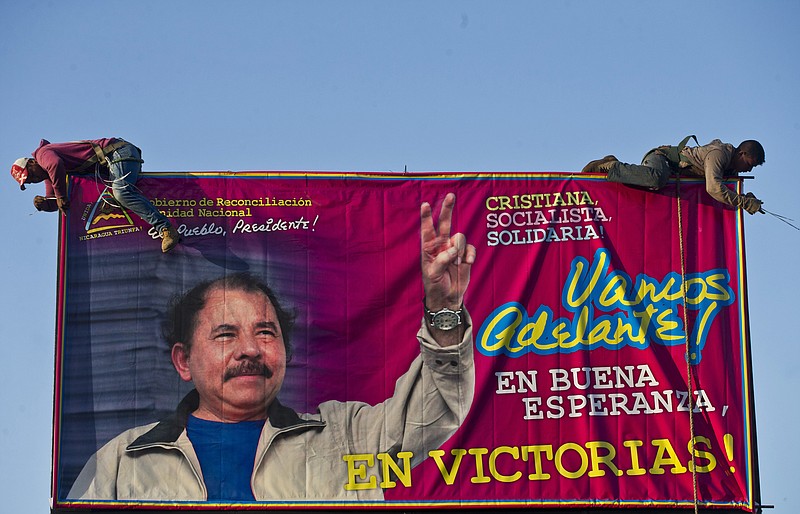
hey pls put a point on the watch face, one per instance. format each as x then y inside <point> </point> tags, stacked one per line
<point>446,320</point>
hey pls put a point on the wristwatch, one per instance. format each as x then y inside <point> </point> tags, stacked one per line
<point>444,319</point>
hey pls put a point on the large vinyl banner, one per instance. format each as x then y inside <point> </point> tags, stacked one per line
<point>582,373</point>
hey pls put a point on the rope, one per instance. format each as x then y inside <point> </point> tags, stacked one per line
<point>108,183</point>
<point>688,349</point>
<point>779,217</point>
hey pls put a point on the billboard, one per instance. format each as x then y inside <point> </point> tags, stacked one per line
<point>587,375</point>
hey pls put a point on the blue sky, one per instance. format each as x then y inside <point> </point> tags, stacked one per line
<point>377,86</point>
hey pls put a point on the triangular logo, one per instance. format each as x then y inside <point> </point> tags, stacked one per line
<point>107,214</point>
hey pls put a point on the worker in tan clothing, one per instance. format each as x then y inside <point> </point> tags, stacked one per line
<point>716,161</point>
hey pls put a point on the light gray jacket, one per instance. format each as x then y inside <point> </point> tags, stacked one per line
<point>711,161</point>
<point>299,457</point>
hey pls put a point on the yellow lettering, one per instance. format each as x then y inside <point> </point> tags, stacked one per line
<point>536,451</point>
<point>615,291</point>
<point>570,296</point>
<point>388,465</point>
<point>584,460</point>
<point>449,476</point>
<point>480,477</point>
<point>701,454</point>
<point>666,457</point>
<point>633,445</point>
<point>511,450</point>
<point>356,474</point>
<point>532,332</point>
<point>607,459</point>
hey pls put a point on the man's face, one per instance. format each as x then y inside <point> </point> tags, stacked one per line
<point>36,173</point>
<point>743,162</point>
<point>237,358</point>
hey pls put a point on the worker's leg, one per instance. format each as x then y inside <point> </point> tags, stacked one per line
<point>126,163</point>
<point>654,172</point>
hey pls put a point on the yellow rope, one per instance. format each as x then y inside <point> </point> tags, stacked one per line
<point>688,349</point>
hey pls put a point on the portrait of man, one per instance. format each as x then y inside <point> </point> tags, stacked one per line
<point>231,439</point>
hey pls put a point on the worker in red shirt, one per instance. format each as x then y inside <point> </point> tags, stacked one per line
<point>119,160</point>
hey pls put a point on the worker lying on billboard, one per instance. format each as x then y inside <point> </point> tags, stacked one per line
<point>715,161</point>
<point>116,159</point>
<point>231,439</point>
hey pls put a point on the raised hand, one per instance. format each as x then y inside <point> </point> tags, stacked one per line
<point>446,260</point>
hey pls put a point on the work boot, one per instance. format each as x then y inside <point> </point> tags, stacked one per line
<point>169,238</point>
<point>600,165</point>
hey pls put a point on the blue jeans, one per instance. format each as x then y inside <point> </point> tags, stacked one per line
<point>126,164</point>
<point>654,172</point>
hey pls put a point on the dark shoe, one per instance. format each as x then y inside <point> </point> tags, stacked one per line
<point>600,165</point>
<point>169,238</point>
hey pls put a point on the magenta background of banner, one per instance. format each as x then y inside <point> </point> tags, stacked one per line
<point>352,268</point>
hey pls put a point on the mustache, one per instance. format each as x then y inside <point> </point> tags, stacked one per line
<point>248,368</point>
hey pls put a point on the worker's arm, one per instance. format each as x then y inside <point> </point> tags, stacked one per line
<point>45,204</point>
<point>56,183</point>
<point>715,164</point>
